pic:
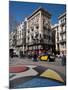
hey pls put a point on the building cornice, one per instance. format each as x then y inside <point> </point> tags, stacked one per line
<point>62,15</point>
<point>37,10</point>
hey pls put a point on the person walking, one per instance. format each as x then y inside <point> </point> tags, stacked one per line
<point>63,59</point>
<point>35,57</point>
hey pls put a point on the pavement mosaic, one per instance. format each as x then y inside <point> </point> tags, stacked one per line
<point>27,76</point>
<point>52,74</point>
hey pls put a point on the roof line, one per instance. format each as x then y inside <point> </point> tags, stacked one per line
<point>40,8</point>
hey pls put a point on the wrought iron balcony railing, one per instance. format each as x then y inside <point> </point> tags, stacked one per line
<point>62,32</point>
<point>62,41</point>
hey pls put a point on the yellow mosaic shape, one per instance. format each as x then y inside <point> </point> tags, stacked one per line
<point>52,75</point>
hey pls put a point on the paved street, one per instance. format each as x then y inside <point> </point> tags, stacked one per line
<point>57,65</point>
<point>26,73</point>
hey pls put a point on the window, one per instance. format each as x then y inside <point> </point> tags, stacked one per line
<point>37,27</point>
<point>49,37</point>
<point>32,29</point>
<point>20,34</point>
<point>36,35</point>
<point>63,36</point>
<point>28,38</point>
<point>28,31</point>
<point>32,37</point>
<point>49,30</point>
<point>43,21</point>
<point>62,20</point>
<point>44,36</point>
<point>63,45</point>
<point>44,27</point>
<point>40,35</point>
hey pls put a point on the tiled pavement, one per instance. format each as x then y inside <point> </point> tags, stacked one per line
<point>35,76</point>
<point>38,74</point>
<point>53,65</point>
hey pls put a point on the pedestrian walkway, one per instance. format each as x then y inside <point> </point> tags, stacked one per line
<point>53,65</point>
<point>35,76</point>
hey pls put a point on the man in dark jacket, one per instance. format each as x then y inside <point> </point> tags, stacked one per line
<point>35,57</point>
<point>63,57</point>
<point>64,60</point>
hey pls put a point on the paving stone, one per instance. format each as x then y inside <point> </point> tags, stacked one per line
<point>52,75</point>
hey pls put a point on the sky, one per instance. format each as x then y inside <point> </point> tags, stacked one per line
<point>20,10</point>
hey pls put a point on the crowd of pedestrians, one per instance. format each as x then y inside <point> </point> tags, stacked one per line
<point>34,56</point>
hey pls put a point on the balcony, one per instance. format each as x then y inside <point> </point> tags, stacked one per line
<point>41,41</point>
<point>46,25</point>
<point>30,43</point>
<point>62,32</point>
<point>58,42</point>
<point>63,41</point>
<point>45,41</point>
<point>50,42</point>
<point>19,43</point>
<point>62,23</point>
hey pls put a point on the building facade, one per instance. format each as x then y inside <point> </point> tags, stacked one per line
<point>35,34</point>
<point>12,40</point>
<point>38,33</point>
<point>59,31</point>
<point>62,33</point>
<point>55,38</point>
<point>21,37</point>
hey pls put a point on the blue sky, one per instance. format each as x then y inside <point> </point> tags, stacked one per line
<point>20,10</point>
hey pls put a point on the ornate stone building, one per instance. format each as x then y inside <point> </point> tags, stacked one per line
<point>12,40</point>
<point>21,37</point>
<point>38,33</point>
<point>59,31</point>
<point>55,38</point>
<point>62,32</point>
